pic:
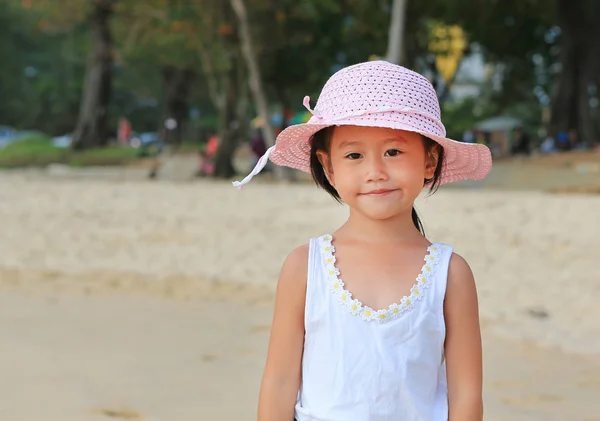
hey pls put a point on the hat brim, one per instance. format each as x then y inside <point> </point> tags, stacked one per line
<point>462,161</point>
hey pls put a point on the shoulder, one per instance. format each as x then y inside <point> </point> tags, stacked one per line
<point>297,260</point>
<point>290,294</point>
<point>458,267</point>
<point>460,288</point>
<point>294,270</point>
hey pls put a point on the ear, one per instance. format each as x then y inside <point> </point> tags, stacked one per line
<point>326,164</point>
<point>431,161</point>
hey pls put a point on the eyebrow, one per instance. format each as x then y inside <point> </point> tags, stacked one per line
<point>347,143</point>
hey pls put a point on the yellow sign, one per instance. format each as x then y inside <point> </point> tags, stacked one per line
<point>448,43</point>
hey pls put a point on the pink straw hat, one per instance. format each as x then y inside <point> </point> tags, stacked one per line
<point>377,94</point>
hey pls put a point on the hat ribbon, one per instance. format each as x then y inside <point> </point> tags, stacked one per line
<point>320,117</point>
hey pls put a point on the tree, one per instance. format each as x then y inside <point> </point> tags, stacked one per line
<point>580,68</point>
<point>92,125</point>
<point>41,77</point>
<point>14,46</point>
<point>252,65</point>
<point>513,36</point>
<point>299,47</point>
<point>230,127</point>
<point>192,42</point>
<point>395,52</point>
<point>162,33</point>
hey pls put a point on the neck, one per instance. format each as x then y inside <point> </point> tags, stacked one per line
<point>398,228</point>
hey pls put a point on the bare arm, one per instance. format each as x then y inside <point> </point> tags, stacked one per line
<point>282,374</point>
<point>463,344</point>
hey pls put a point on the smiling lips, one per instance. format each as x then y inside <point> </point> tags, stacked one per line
<point>379,192</point>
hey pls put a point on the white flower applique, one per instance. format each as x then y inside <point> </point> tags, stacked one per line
<point>344,297</point>
<point>422,281</point>
<point>367,313</point>
<point>394,311</point>
<point>416,293</point>
<point>355,307</point>
<point>382,315</point>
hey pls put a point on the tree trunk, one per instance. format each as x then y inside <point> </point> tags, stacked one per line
<point>395,51</point>
<point>229,125</point>
<point>176,88</point>
<point>588,71</point>
<point>579,67</point>
<point>92,124</point>
<point>251,63</point>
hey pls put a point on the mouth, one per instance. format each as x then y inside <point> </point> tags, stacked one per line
<point>379,192</point>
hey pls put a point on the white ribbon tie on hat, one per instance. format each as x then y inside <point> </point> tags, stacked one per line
<point>306,103</point>
<point>262,162</point>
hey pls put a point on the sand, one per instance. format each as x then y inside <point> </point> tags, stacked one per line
<point>154,299</point>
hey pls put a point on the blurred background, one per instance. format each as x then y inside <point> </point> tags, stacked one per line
<point>119,79</point>
<point>138,284</point>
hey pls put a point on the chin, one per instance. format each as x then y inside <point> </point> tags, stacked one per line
<point>381,214</point>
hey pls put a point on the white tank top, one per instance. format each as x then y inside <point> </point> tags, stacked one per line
<point>365,365</point>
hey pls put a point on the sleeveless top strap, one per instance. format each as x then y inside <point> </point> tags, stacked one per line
<point>441,283</point>
<point>312,278</point>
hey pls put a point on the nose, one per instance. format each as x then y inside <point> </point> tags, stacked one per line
<point>376,169</point>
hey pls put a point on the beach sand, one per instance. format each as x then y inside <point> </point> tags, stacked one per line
<point>141,300</point>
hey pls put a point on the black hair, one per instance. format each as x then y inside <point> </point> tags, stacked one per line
<point>321,140</point>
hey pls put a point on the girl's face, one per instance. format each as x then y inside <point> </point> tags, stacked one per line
<point>378,172</point>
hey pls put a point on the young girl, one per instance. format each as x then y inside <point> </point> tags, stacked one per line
<point>398,338</point>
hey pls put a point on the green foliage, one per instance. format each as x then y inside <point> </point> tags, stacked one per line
<point>32,151</point>
<point>41,72</point>
<point>162,31</point>
<point>305,42</point>
<point>300,43</point>
<point>462,116</point>
<point>112,155</point>
<point>38,151</point>
<point>512,33</point>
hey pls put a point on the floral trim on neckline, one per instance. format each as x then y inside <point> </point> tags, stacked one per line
<point>394,311</point>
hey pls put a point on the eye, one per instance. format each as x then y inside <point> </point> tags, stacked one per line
<point>392,152</point>
<point>353,156</point>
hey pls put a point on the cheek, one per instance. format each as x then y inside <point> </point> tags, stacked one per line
<point>422,167</point>
<point>409,169</point>
<point>344,175</point>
